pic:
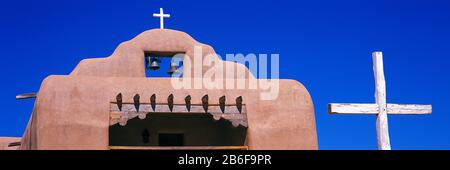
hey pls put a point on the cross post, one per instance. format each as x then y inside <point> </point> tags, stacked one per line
<point>380,97</point>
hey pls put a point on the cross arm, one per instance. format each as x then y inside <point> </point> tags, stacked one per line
<point>347,108</point>
<point>409,109</point>
<point>161,15</point>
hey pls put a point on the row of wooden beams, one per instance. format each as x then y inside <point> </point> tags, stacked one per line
<point>405,109</point>
<point>178,147</point>
<point>129,111</point>
<point>164,108</point>
<point>170,102</point>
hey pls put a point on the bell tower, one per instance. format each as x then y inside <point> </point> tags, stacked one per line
<point>163,64</point>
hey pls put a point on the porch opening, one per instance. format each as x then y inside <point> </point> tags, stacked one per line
<point>177,131</point>
<point>167,139</point>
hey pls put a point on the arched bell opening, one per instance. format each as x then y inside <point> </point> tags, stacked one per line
<point>163,64</point>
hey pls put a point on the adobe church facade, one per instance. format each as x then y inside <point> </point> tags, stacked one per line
<point>110,103</point>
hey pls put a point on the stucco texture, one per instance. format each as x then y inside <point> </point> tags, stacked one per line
<point>5,141</point>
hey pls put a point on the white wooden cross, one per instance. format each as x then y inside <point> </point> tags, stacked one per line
<point>380,107</point>
<point>161,16</point>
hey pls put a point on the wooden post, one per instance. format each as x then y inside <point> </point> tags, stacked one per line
<point>380,96</point>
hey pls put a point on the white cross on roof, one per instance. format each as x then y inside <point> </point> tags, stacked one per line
<point>161,16</point>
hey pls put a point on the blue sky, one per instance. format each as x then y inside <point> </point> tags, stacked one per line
<point>326,45</point>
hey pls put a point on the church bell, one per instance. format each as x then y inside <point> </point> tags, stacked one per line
<point>173,68</point>
<point>152,63</point>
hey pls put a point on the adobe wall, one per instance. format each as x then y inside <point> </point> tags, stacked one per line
<point>72,112</point>
<point>5,141</point>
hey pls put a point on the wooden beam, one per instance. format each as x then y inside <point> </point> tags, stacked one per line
<point>163,108</point>
<point>409,109</point>
<point>14,144</point>
<point>178,147</point>
<point>395,109</point>
<point>129,111</point>
<point>338,108</point>
<point>26,96</point>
